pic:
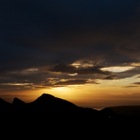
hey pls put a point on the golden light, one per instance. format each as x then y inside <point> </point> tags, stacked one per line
<point>82,64</point>
<point>68,93</point>
<point>135,64</point>
<point>73,74</point>
<point>16,84</point>
<point>118,68</point>
<point>62,89</point>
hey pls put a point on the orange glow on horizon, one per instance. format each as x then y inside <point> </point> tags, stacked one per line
<point>107,93</point>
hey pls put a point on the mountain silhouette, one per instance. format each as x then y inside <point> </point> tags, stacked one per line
<point>47,104</point>
<point>53,103</point>
<point>3,103</point>
<point>17,102</point>
<point>4,106</point>
<point>52,114</point>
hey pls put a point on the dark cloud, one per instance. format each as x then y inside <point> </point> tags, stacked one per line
<point>71,69</point>
<point>137,83</point>
<point>131,49</point>
<point>110,77</point>
<point>71,82</point>
<point>74,82</point>
<point>63,68</point>
<point>129,73</point>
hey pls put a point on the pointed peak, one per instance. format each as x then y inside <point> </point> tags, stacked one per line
<point>53,102</point>
<point>44,97</point>
<point>18,101</point>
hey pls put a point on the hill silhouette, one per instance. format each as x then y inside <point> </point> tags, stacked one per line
<point>53,114</point>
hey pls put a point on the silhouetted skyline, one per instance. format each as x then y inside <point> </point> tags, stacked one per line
<point>87,52</point>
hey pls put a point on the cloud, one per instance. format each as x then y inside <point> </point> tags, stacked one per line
<point>110,77</point>
<point>84,70</point>
<point>129,73</point>
<point>137,83</point>
<point>130,48</point>
<point>71,82</point>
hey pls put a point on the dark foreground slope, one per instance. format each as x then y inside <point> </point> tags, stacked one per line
<point>51,115</point>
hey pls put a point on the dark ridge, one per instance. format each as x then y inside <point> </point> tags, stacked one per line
<point>5,107</point>
<point>4,104</point>
<point>18,106</point>
<point>127,111</point>
<point>51,103</point>
<point>51,114</point>
<point>108,113</point>
<point>44,97</point>
<point>47,98</point>
<point>17,101</point>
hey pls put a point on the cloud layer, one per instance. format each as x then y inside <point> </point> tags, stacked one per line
<point>42,40</point>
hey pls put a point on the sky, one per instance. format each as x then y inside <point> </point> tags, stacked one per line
<point>84,51</point>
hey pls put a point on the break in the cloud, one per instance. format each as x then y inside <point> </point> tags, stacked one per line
<point>42,40</point>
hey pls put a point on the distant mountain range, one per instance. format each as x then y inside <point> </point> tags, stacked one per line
<point>50,112</point>
<point>48,104</point>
